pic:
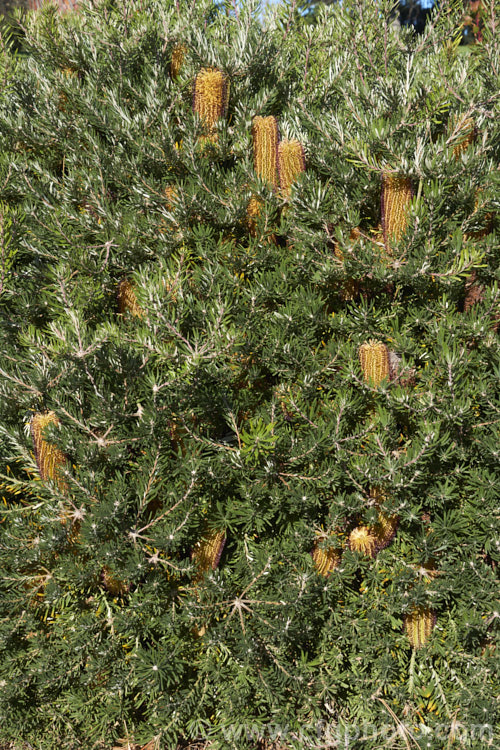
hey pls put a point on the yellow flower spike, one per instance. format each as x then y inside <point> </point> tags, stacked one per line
<point>208,550</point>
<point>265,138</point>
<point>394,203</point>
<point>325,559</point>
<point>374,359</point>
<point>177,60</point>
<point>210,98</point>
<point>253,212</point>
<point>386,526</point>
<point>419,624</point>
<point>291,164</point>
<point>363,541</point>
<point>127,300</point>
<point>49,459</point>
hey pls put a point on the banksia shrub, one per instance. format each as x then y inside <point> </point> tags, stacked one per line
<point>374,359</point>
<point>394,203</point>
<point>419,624</point>
<point>50,459</point>
<point>291,164</point>
<point>210,97</point>
<point>208,550</point>
<point>127,300</point>
<point>217,386</point>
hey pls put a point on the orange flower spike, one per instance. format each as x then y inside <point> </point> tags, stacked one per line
<point>49,459</point>
<point>265,137</point>
<point>291,164</point>
<point>374,359</point>
<point>395,199</point>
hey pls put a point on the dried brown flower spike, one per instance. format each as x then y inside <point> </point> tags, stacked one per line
<point>113,584</point>
<point>291,164</point>
<point>49,459</point>
<point>395,200</point>
<point>374,359</point>
<point>127,300</point>
<point>467,130</point>
<point>419,624</point>
<point>474,292</point>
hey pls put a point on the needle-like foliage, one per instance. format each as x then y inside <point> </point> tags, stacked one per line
<point>249,400</point>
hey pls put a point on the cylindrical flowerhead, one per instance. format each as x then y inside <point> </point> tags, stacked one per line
<point>253,212</point>
<point>127,300</point>
<point>291,164</point>
<point>210,96</point>
<point>467,134</point>
<point>363,541</point>
<point>177,59</point>
<point>374,359</point>
<point>265,136</point>
<point>395,200</point>
<point>171,195</point>
<point>207,552</point>
<point>385,529</point>
<point>325,559</point>
<point>419,624</point>
<point>113,584</point>
<point>49,459</point>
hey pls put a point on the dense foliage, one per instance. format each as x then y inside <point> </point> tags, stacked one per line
<point>186,360</point>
